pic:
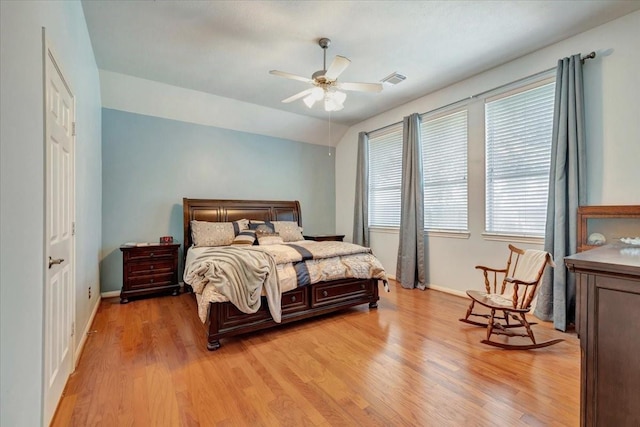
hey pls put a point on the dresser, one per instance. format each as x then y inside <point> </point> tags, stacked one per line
<point>608,324</point>
<point>149,268</point>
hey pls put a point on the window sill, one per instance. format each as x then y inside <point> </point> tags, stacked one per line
<point>432,233</point>
<point>448,233</point>
<point>513,238</point>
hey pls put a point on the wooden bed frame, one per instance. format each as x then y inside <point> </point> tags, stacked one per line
<point>225,319</point>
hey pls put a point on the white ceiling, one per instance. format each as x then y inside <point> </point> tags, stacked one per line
<point>227,48</point>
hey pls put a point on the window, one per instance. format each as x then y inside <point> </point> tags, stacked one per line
<point>518,128</point>
<point>444,166</point>
<point>385,177</point>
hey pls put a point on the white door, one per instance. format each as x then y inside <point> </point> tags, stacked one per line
<point>59,291</point>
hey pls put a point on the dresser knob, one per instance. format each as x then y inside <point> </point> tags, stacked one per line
<point>325,293</point>
<point>151,254</point>
<point>151,268</point>
<point>151,281</point>
<point>362,286</point>
<point>293,299</point>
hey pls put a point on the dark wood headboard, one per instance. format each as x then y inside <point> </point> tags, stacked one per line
<point>232,210</point>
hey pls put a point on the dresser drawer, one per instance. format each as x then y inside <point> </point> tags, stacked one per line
<point>338,292</point>
<point>150,267</point>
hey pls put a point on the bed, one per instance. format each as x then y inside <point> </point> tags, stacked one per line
<point>223,319</point>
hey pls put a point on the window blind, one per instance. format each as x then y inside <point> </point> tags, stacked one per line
<point>518,154</point>
<point>444,160</point>
<point>385,177</point>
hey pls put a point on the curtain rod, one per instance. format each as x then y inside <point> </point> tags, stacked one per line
<point>539,73</point>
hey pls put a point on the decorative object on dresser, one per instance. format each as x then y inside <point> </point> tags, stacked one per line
<point>223,319</point>
<point>324,237</point>
<point>598,225</point>
<point>608,322</point>
<point>149,268</point>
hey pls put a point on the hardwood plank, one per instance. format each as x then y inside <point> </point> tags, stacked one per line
<point>409,362</point>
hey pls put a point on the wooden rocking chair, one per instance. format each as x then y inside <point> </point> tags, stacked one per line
<point>512,297</point>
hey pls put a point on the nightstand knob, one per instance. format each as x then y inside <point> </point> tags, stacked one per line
<point>325,293</point>
<point>362,286</point>
<point>151,254</point>
<point>151,281</point>
<point>151,268</point>
<point>293,298</point>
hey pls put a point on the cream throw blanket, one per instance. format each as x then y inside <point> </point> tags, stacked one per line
<point>527,270</point>
<point>239,274</point>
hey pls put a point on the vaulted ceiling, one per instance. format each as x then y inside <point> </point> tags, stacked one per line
<point>227,48</point>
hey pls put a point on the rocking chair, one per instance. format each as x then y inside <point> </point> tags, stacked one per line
<point>512,297</point>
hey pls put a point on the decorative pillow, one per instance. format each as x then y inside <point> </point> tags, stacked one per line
<point>245,237</point>
<point>205,233</point>
<point>262,226</point>
<point>269,239</point>
<point>288,230</point>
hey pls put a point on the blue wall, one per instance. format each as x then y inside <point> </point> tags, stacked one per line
<point>151,163</point>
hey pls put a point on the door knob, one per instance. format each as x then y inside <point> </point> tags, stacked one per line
<point>55,261</point>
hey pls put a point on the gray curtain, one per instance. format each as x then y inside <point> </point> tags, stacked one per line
<point>567,191</point>
<point>410,269</point>
<point>361,205</point>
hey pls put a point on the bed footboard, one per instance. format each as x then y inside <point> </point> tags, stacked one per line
<point>226,320</point>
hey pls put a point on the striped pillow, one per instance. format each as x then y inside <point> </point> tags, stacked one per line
<point>245,237</point>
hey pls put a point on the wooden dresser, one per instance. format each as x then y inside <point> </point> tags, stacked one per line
<point>149,268</point>
<point>608,324</point>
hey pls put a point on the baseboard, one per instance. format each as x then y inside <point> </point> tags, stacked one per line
<point>110,294</point>
<point>85,333</point>
<point>447,290</point>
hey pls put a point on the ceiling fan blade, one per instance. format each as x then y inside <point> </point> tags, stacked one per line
<point>360,87</point>
<point>339,64</point>
<point>290,76</point>
<point>298,95</point>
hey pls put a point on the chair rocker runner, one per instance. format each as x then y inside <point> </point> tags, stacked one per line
<point>510,297</point>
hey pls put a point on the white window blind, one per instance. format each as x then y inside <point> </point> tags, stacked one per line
<point>385,177</point>
<point>518,154</point>
<point>444,161</point>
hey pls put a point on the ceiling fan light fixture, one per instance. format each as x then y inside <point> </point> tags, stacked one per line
<point>333,100</point>
<point>317,93</point>
<point>309,100</point>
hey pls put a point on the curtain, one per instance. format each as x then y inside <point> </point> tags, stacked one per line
<point>361,205</point>
<point>567,191</point>
<point>410,271</point>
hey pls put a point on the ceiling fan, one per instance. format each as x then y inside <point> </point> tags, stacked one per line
<point>325,83</point>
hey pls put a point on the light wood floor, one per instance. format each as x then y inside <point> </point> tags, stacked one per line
<point>408,363</point>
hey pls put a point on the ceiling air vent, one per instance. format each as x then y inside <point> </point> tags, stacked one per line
<point>393,79</point>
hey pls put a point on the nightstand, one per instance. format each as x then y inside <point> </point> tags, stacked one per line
<point>149,268</point>
<point>325,237</point>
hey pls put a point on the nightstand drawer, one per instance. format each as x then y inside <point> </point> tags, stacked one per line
<point>141,253</point>
<point>150,267</point>
<point>153,281</point>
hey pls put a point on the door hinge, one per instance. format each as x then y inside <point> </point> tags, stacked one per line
<point>73,129</point>
<point>73,329</point>
<point>73,228</point>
